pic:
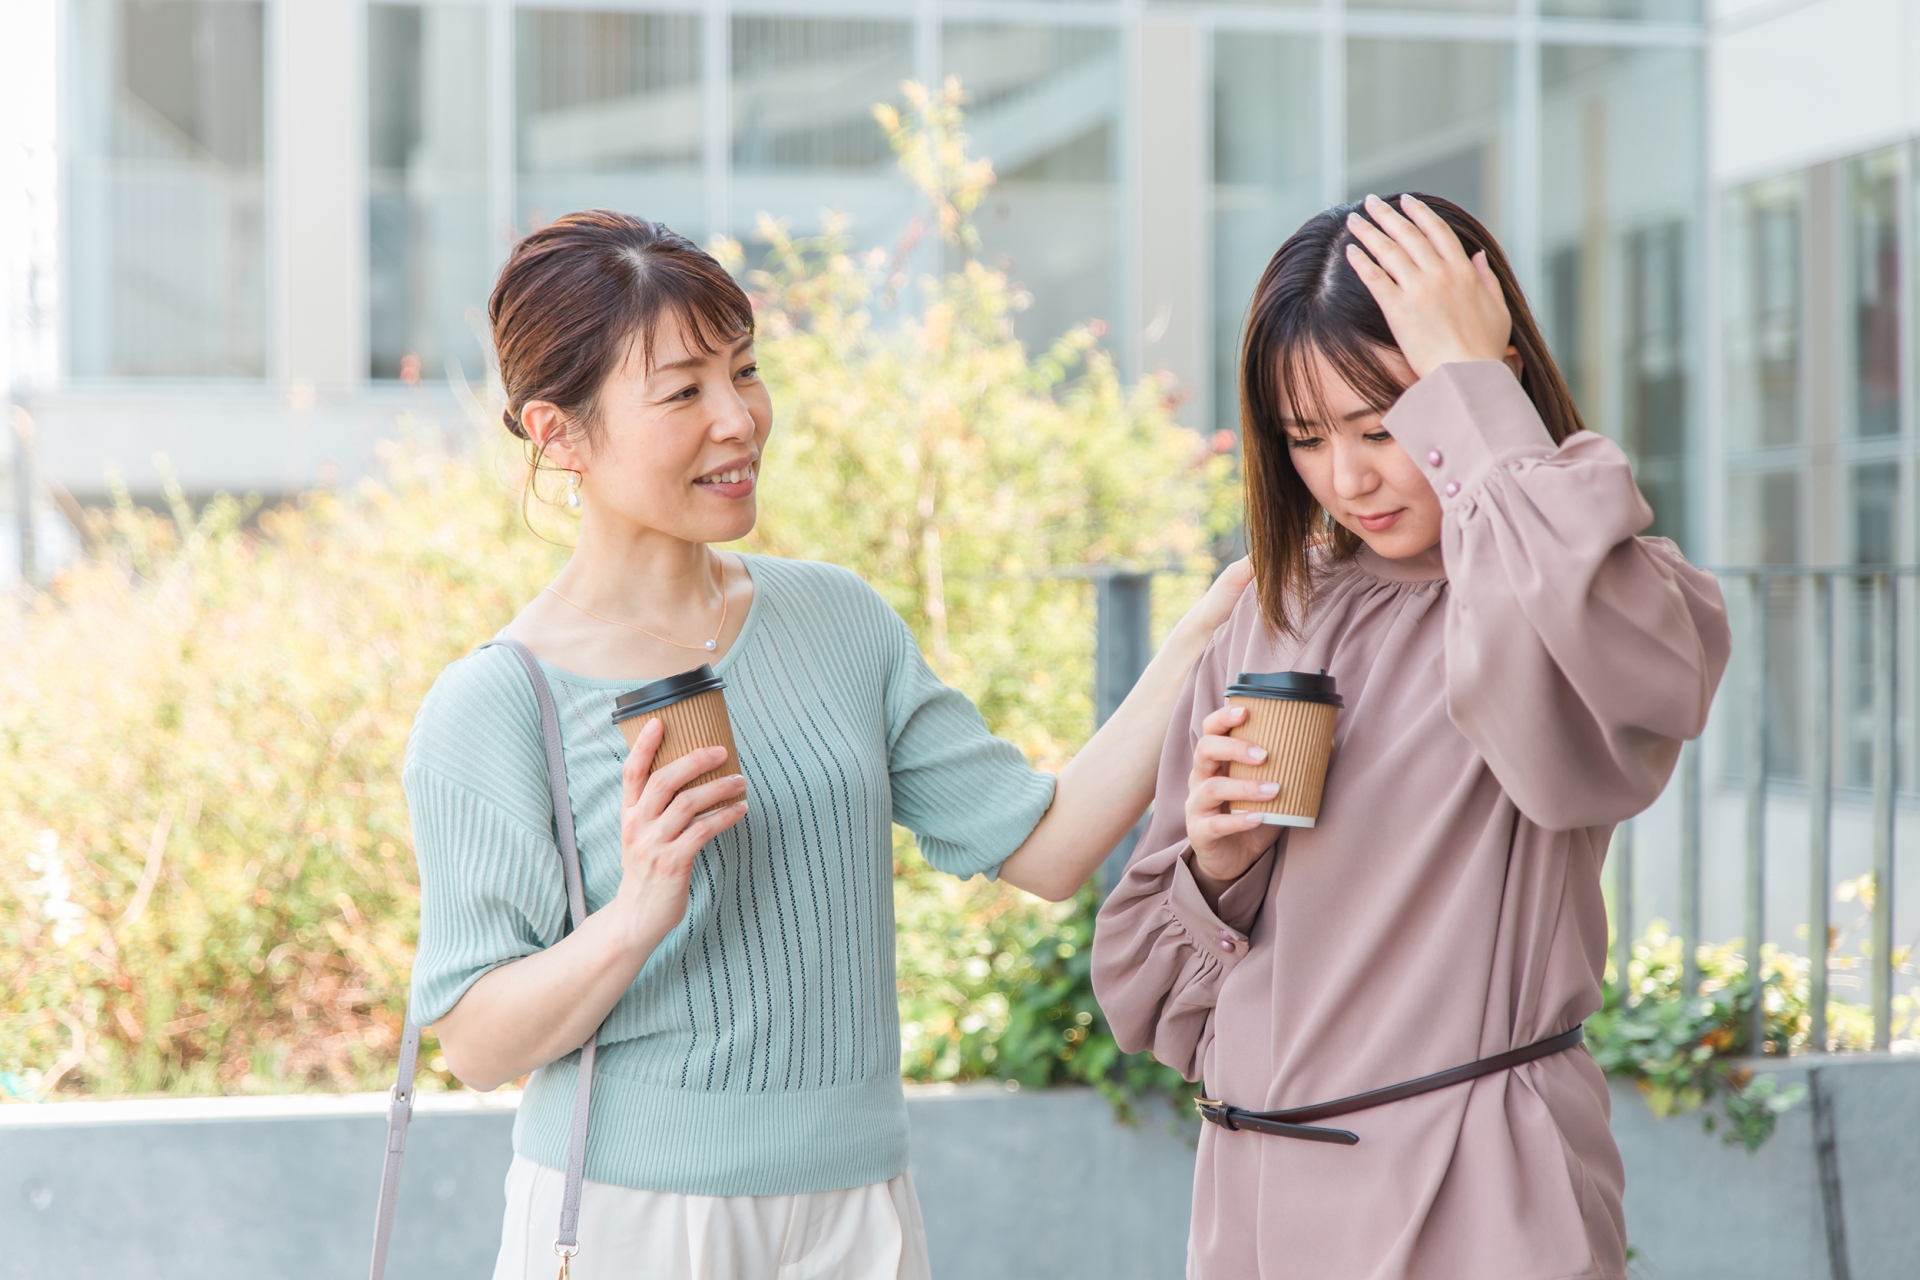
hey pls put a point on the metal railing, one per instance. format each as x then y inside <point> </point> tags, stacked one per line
<point>1755,683</point>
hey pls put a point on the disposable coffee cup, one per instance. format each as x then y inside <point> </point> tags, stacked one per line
<point>1291,714</point>
<point>692,708</point>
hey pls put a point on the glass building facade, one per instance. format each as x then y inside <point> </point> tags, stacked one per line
<point>1574,128</point>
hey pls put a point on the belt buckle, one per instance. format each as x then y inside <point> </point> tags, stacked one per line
<point>1214,1110</point>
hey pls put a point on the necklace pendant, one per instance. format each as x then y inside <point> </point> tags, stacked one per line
<point>711,645</point>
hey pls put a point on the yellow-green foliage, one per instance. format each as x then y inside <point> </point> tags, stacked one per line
<point>205,877</point>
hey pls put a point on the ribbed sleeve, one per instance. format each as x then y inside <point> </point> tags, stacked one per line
<point>758,1051</point>
<point>970,798</point>
<point>490,890</point>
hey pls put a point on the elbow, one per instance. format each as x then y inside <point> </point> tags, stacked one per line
<point>468,1068</point>
<point>1060,892</point>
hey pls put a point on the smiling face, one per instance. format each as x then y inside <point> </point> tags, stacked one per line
<point>1356,470</point>
<point>677,446</point>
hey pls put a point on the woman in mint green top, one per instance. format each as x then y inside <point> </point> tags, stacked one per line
<point>739,965</point>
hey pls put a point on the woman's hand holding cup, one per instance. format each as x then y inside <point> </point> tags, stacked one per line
<point>1225,844</point>
<point>663,827</point>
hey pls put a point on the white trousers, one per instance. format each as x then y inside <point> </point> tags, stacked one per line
<point>863,1233</point>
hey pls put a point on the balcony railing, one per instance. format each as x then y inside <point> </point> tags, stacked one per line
<point>1801,634</point>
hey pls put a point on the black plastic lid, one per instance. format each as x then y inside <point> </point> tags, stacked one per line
<point>1293,686</point>
<point>663,693</point>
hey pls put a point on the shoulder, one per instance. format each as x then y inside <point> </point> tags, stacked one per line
<point>479,718</point>
<point>815,596</point>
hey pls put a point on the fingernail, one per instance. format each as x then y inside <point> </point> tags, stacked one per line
<point>1269,788</point>
<point>1256,754</point>
<point>1253,819</point>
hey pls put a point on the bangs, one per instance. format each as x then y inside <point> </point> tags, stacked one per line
<point>712,310</point>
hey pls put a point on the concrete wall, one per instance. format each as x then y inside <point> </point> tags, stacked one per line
<point>1013,1186</point>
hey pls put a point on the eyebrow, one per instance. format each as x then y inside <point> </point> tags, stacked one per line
<point>689,361</point>
<point>1355,416</point>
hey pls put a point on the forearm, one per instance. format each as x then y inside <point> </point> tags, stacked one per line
<point>1104,789</point>
<point>527,1013</point>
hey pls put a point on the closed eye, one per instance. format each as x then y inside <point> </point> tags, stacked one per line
<point>1377,437</point>
<point>1303,442</point>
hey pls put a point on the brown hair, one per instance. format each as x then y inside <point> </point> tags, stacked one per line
<point>578,292</point>
<point>1311,300</point>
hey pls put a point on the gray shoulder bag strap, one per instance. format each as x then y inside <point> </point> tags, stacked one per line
<point>400,1108</point>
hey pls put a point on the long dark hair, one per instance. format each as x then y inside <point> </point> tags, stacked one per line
<point>1310,300</point>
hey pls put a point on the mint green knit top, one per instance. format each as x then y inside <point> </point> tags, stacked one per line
<point>758,1050</point>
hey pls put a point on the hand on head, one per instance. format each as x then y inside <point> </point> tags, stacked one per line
<point>1441,305</point>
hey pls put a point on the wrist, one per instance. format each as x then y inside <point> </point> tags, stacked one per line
<point>1212,880</point>
<point>640,930</point>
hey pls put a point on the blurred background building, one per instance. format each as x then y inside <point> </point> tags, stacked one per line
<point>277,220</point>
<point>255,237</point>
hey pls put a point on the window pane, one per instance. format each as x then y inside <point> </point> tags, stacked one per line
<point>609,116</point>
<point>1760,301</point>
<point>1649,10</point>
<point>1876,498</point>
<point>1435,6</point>
<point>1046,109</point>
<point>429,251</point>
<point>1430,116</point>
<point>166,232</point>
<point>804,136</point>
<point>1872,284</point>
<point>1266,171</point>
<point>1621,164</point>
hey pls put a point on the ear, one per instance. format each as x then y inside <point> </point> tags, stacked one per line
<point>548,429</point>
<point>1514,362</point>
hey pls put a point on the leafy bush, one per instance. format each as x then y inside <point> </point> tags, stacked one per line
<point>1684,1052</point>
<point>203,844</point>
<point>205,883</point>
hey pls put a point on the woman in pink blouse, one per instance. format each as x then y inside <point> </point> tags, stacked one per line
<point>1429,523</point>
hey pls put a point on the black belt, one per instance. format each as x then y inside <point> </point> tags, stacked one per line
<point>1292,1123</point>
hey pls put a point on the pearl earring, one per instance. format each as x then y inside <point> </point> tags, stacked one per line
<point>573,490</point>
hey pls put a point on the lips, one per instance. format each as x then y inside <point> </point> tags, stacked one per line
<point>1378,523</point>
<point>734,481</point>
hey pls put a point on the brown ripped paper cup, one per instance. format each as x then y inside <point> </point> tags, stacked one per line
<point>1291,714</point>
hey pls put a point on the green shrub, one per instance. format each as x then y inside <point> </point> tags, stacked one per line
<point>1685,1052</point>
<point>205,877</point>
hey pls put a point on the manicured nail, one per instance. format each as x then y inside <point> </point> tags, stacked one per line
<point>1269,788</point>
<point>1256,754</point>
<point>1253,819</point>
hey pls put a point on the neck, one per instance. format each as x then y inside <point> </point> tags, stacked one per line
<point>634,572</point>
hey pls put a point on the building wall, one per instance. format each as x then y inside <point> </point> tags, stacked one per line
<point>291,202</point>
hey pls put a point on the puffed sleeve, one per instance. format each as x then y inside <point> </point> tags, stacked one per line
<point>1159,951</point>
<point>1579,655</point>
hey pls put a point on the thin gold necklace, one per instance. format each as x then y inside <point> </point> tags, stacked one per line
<point>709,645</point>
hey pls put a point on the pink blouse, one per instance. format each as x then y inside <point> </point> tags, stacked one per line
<point>1510,696</point>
